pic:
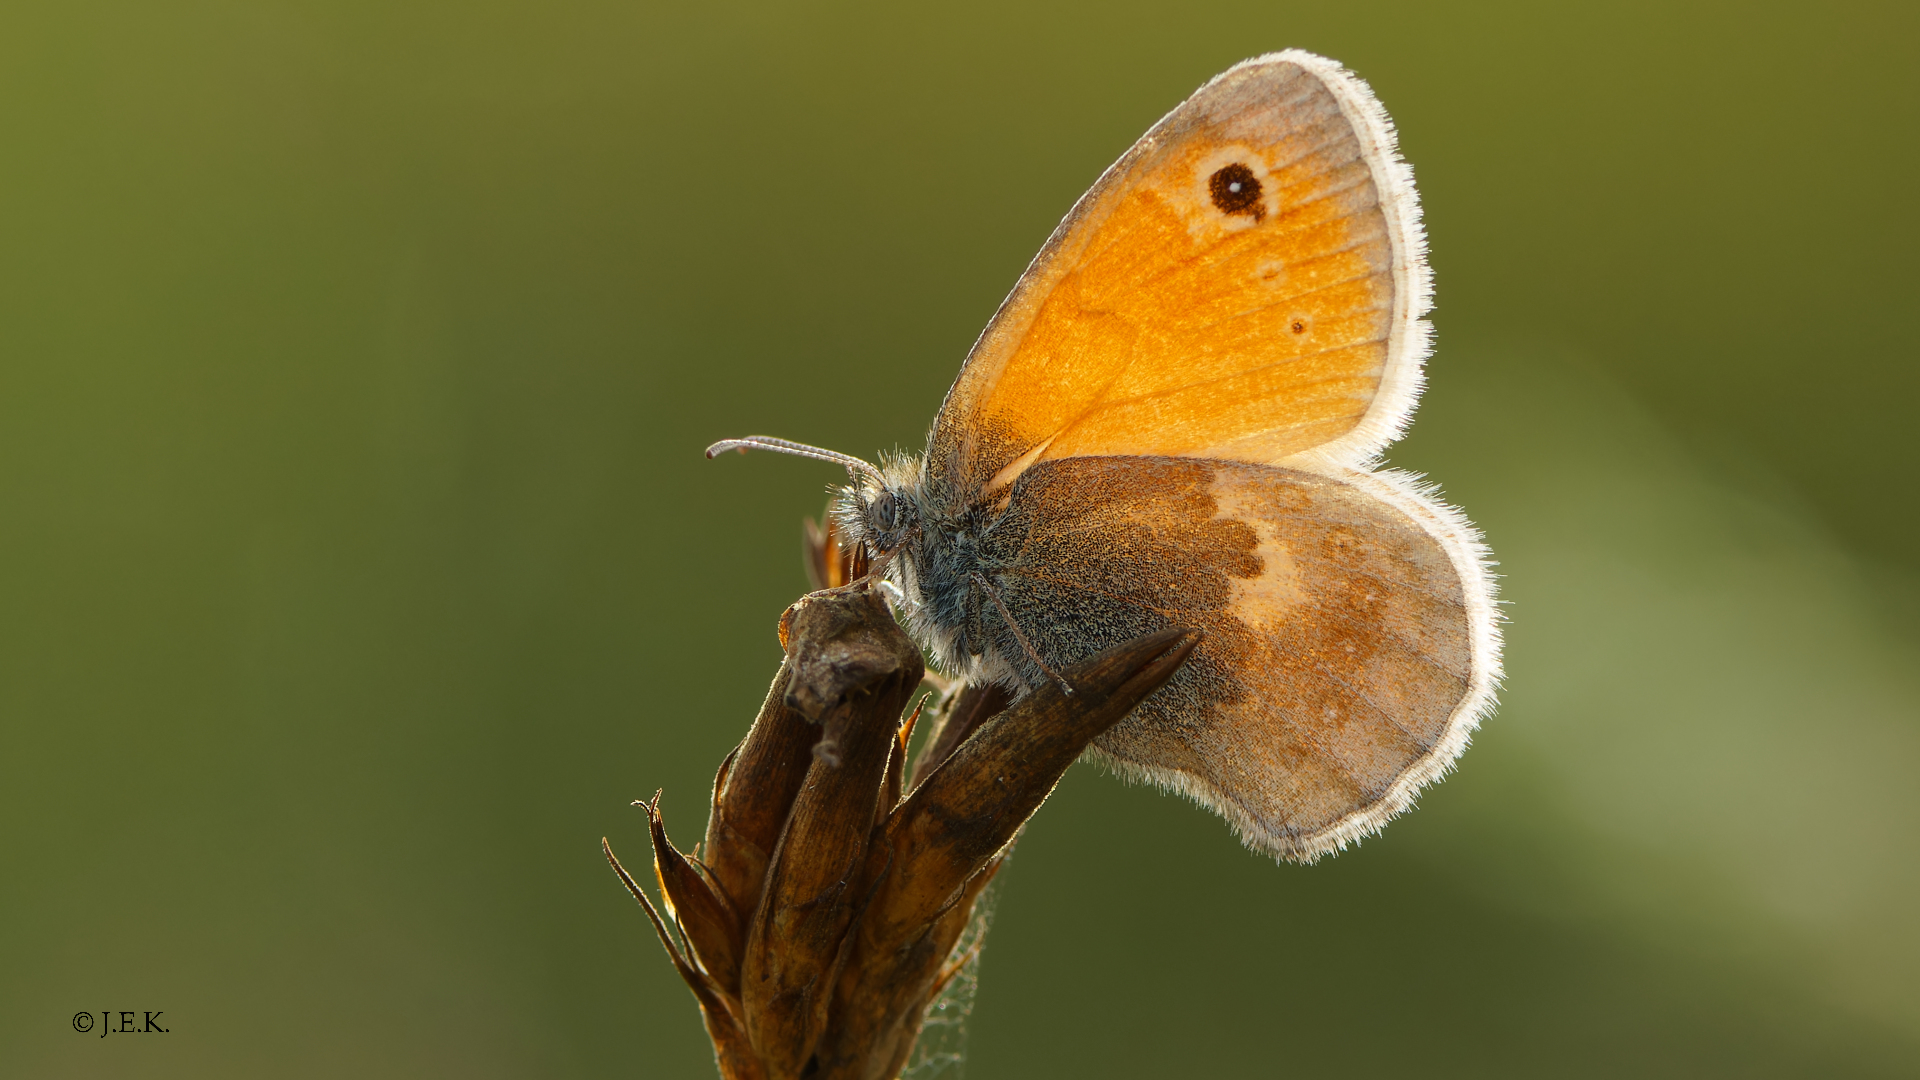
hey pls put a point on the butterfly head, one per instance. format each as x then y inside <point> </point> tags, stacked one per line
<point>883,509</point>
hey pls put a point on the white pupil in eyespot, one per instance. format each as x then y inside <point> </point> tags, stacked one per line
<point>1234,187</point>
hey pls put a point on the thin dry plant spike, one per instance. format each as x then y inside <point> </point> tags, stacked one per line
<point>705,917</point>
<point>897,764</point>
<point>659,925</point>
<point>721,1014</point>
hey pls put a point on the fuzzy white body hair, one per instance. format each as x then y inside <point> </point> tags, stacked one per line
<point>904,476</point>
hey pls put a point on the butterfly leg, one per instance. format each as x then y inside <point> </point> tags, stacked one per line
<point>993,594</point>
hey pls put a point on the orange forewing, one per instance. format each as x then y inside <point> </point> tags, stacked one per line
<point>1170,316</point>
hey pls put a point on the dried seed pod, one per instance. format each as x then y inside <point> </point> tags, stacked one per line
<point>855,896</point>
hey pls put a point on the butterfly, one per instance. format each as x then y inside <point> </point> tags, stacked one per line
<point>1175,420</point>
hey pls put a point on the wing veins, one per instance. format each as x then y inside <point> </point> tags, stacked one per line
<point>1293,298</point>
<point>1192,261</point>
<point>1384,712</point>
<point>1151,394</point>
<point>1198,258</point>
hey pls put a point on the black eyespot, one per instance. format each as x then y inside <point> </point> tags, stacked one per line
<point>1299,326</point>
<point>1236,190</point>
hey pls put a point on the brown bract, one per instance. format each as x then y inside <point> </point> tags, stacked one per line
<point>820,916</point>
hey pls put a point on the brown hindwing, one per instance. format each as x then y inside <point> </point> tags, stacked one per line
<point>1337,673</point>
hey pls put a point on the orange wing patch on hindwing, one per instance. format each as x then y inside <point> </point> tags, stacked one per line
<point>1246,283</point>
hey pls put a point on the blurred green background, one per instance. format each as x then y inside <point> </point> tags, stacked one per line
<point>358,563</point>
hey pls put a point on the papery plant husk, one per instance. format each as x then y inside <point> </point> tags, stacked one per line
<point>818,918</point>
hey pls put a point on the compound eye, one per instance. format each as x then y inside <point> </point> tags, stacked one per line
<point>884,511</point>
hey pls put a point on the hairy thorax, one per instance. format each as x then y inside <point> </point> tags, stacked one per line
<point>1083,554</point>
<point>935,553</point>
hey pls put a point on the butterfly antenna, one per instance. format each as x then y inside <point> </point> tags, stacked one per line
<point>785,446</point>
